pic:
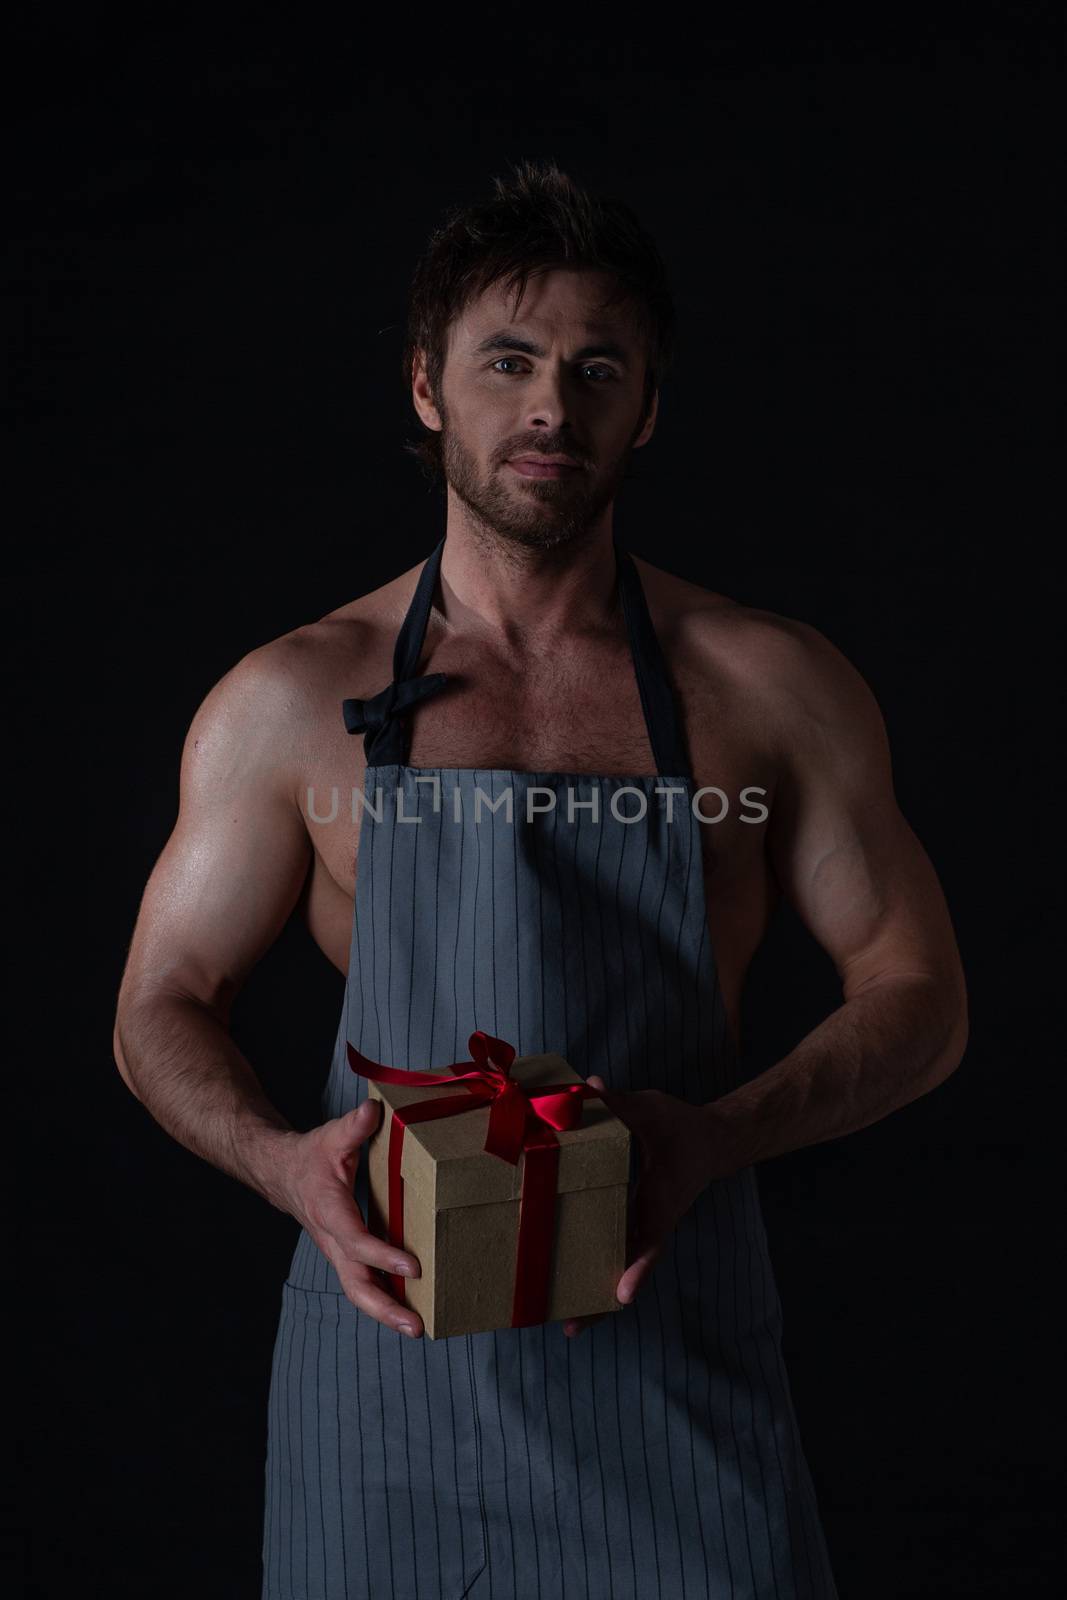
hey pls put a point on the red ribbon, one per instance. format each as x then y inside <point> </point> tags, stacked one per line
<point>520,1119</point>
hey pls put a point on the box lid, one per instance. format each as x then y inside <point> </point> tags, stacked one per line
<point>445,1160</point>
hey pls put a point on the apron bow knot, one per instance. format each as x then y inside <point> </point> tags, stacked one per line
<point>361,715</point>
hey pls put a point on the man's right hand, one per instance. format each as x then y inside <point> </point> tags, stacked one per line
<point>229,878</point>
<point>317,1190</point>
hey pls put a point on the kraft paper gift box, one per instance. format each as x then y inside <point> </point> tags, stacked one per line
<point>437,1190</point>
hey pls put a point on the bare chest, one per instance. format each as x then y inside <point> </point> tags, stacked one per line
<point>582,716</point>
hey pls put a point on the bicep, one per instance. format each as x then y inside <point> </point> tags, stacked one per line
<point>232,870</point>
<point>845,856</point>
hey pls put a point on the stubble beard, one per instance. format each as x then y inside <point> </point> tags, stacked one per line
<point>536,514</point>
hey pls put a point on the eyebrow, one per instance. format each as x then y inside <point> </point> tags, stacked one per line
<point>503,340</point>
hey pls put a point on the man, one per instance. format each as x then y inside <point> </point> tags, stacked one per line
<point>530,659</point>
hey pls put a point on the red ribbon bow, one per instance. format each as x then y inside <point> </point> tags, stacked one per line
<point>520,1119</point>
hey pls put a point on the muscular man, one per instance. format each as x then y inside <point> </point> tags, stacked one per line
<point>660,1454</point>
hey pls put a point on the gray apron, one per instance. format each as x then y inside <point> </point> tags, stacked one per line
<point>657,1456</point>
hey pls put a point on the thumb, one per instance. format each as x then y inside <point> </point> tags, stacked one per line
<point>360,1123</point>
<point>609,1097</point>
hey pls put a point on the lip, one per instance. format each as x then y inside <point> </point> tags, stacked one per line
<point>543,466</point>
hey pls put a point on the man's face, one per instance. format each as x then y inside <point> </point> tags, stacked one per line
<point>554,376</point>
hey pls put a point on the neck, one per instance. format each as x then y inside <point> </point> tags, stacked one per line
<point>528,596</point>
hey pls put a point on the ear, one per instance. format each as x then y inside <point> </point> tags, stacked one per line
<point>649,424</point>
<point>421,394</point>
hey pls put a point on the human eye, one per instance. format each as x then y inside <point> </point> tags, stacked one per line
<point>606,372</point>
<point>495,364</point>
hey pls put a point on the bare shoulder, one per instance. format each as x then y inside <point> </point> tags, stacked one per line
<point>780,668</point>
<point>288,674</point>
<point>272,684</point>
<point>270,709</point>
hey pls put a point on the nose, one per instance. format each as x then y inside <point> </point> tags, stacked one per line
<point>548,404</point>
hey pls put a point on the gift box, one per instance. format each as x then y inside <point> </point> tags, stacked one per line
<point>508,1179</point>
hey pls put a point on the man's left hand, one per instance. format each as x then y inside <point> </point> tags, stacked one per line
<point>676,1154</point>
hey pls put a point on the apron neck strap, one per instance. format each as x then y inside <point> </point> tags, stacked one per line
<point>664,726</point>
<point>653,679</point>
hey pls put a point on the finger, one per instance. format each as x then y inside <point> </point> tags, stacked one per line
<point>575,1325</point>
<point>612,1098</point>
<point>636,1273</point>
<point>368,1296</point>
<point>349,1240</point>
<point>351,1130</point>
<point>356,1255</point>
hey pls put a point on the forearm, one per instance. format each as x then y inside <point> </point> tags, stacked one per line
<point>181,1063</point>
<point>881,1049</point>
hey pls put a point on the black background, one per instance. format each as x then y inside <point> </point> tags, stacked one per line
<point>213,236</point>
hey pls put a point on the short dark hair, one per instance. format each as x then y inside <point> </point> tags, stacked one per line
<point>538,218</point>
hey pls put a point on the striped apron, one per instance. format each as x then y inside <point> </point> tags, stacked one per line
<point>657,1456</point>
